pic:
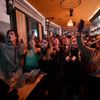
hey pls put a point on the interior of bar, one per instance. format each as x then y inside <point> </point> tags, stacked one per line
<point>49,49</point>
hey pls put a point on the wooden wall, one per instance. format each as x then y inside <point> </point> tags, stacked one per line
<point>21,26</point>
<point>40,31</point>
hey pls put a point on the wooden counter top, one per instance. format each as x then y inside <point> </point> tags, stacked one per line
<point>24,91</point>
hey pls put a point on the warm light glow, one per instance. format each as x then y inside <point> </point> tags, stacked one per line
<point>39,13</point>
<point>94,13</point>
<point>70,23</point>
<point>69,4</point>
<point>55,24</point>
<point>34,8</point>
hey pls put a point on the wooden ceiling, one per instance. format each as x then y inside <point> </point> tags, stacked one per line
<point>51,9</point>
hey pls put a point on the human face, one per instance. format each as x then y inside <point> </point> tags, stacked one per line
<point>11,37</point>
<point>98,41</point>
<point>44,44</point>
<point>74,43</point>
<point>67,41</point>
<point>56,41</point>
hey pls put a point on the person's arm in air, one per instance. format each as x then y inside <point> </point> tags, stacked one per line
<point>34,47</point>
<point>22,48</point>
<point>85,50</point>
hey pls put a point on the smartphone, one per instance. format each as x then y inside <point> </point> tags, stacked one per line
<point>81,26</point>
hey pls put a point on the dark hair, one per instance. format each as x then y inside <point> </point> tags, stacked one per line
<point>32,32</point>
<point>11,31</point>
<point>15,35</point>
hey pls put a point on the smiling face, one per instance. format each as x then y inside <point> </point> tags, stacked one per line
<point>67,41</point>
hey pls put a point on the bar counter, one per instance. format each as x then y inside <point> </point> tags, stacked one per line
<point>24,91</point>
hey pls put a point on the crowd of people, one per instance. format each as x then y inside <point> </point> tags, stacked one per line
<point>72,63</point>
<point>11,51</point>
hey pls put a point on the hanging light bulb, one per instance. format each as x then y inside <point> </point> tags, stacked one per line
<point>70,5</point>
<point>70,23</point>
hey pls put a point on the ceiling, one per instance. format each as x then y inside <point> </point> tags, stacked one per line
<point>51,9</point>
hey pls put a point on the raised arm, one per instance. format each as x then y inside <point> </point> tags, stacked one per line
<point>86,51</point>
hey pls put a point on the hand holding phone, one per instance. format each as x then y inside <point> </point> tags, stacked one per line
<point>80,26</point>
